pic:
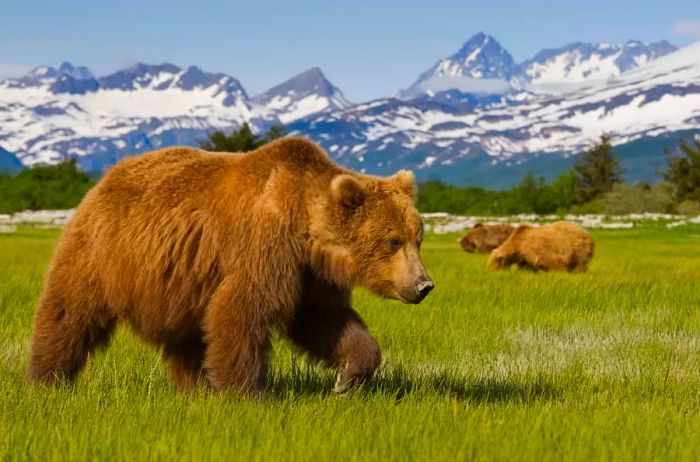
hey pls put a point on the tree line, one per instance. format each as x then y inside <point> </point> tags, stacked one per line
<point>594,185</point>
<point>44,187</point>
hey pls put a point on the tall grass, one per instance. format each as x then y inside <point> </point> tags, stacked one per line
<point>492,366</point>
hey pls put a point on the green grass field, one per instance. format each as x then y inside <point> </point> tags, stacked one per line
<point>492,366</point>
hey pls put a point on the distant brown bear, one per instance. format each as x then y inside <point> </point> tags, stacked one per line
<point>205,254</point>
<point>557,247</point>
<point>484,238</point>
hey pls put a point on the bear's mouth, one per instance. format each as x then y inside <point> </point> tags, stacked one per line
<point>411,297</point>
<point>408,295</point>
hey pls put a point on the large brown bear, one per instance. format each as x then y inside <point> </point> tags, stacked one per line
<point>484,238</point>
<point>205,254</point>
<point>558,247</point>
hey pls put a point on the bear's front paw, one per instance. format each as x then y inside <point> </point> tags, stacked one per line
<point>354,374</point>
<point>342,383</point>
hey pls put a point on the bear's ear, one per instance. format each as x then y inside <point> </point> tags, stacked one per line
<point>478,225</point>
<point>406,182</point>
<point>348,191</point>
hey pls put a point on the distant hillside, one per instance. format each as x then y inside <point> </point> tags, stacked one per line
<point>641,160</point>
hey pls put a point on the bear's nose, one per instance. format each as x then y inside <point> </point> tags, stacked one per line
<point>424,286</point>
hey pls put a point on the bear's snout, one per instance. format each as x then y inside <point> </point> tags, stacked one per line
<point>423,287</point>
<point>416,292</point>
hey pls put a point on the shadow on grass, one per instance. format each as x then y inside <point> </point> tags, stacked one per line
<point>400,383</point>
<point>395,384</point>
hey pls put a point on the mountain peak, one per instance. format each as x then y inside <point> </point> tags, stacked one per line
<point>480,66</point>
<point>482,56</point>
<point>306,93</point>
<point>479,37</point>
<point>310,81</point>
<point>477,40</point>
<point>76,72</point>
<point>142,68</point>
<point>65,69</point>
<point>66,79</point>
<point>313,71</point>
<point>140,75</point>
<point>42,72</point>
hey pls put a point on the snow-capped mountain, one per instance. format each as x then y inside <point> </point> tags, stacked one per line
<point>481,66</point>
<point>482,70</point>
<point>52,113</point>
<point>576,63</point>
<point>662,96</point>
<point>302,95</point>
<point>168,76</point>
<point>630,91</point>
<point>65,79</point>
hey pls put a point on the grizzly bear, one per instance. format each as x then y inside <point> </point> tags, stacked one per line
<point>205,254</point>
<point>484,238</point>
<point>559,246</point>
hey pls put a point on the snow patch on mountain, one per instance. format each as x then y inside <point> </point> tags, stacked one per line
<point>577,63</point>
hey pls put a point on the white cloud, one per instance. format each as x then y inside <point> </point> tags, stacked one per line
<point>687,27</point>
<point>8,70</point>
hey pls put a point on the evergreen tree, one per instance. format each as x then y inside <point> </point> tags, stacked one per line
<point>597,170</point>
<point>275,132</point>
<point>562,192</point>
<point>684,171</point>
<point>241,140</point>
<point>526,196</point>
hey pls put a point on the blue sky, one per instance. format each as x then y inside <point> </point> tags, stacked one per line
<point>367,48</point>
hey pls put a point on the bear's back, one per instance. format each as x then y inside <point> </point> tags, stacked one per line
<point>143,198</point>
<point>177,171</point>
<point>543,246</point>
<point>171,168</point>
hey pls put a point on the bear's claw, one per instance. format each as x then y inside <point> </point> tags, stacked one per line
<point>342,384</point>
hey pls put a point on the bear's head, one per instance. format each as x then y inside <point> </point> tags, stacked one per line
<point>469,241</point>
<point>485,238</point>
<point>367,231</point>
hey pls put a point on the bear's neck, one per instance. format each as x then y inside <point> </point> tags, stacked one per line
<point>333,264</point>
<point>328,258</point>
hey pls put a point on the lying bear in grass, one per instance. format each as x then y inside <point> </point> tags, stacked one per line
<point>484,238</point>
<point>561,246</point>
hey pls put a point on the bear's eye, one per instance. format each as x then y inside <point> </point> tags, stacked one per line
<point>395,244</point>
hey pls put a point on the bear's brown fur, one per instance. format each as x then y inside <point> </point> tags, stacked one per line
<point>558,247</point>
<point>205,254</point>
<point>484,238</point>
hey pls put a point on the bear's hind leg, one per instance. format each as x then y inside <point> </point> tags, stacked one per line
<point>64,334</point>
<point>337,336</point>
<point>185,361</point>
